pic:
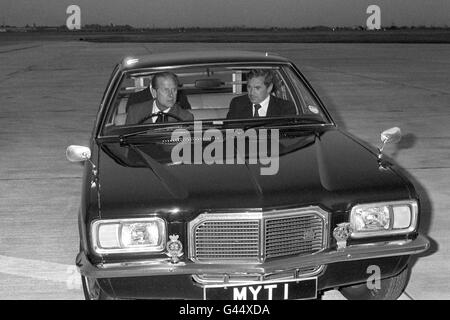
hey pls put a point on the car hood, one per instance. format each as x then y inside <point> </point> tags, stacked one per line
<point>323,167</point>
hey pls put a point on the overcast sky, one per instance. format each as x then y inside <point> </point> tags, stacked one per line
<point>218,13</point>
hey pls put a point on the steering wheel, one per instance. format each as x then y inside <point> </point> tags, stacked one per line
<point>159,114</point>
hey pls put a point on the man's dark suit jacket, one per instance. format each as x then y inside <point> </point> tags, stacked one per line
<point>241,107</point>
<point>137,112</point>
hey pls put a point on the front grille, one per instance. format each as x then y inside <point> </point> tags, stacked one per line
<point>293,235</point>
<point>227,240</point>
<point>251,238</point>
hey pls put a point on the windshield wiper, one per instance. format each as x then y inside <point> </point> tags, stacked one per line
<point>156,129</point>
<point>283,121</point>
<point>254,124</point>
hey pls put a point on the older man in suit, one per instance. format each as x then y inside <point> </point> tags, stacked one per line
<point>258,102</point>
<point>164,89</point>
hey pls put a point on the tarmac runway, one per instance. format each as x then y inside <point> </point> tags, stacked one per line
<point>50,93</point>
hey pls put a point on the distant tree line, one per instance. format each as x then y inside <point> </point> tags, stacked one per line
<point>127,28</point>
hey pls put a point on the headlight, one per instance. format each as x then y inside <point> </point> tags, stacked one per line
<point>375,219</point>
<point>129,235</point>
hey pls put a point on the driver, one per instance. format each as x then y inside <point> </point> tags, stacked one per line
<point>164,106</point>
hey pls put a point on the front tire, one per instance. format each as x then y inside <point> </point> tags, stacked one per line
<point>92,290</point>
<point>390,289</point>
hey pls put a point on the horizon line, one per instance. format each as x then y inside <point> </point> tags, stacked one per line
<point>226,27</point>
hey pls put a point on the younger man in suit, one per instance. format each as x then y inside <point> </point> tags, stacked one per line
<point>259,102</point>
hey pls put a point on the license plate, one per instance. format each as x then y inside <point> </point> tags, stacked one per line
<point>265,290</point>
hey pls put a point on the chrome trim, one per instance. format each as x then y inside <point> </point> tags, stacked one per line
<point>143,71</point>
<point>94,236</point>
<point>166,268</point>
<point>366,234</point>
<point>135,264</point>
<point>262,217</point>
<point>233,278</point>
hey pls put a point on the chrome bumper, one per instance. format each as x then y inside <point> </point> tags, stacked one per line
<point>163,267</point>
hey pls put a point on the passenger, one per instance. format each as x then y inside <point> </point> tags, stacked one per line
<point>164,89</point>
<point>258,102</point>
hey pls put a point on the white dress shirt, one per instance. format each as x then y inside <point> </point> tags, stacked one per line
<point>264,105</point>
<point>156,110</point>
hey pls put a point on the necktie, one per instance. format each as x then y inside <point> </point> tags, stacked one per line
<point>161,117</point>
<point>257,107</point>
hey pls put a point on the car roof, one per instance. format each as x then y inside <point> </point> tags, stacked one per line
<point>199,57</point>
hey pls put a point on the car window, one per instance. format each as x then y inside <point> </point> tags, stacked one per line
<point>308,104</point>
<point>206,92</point>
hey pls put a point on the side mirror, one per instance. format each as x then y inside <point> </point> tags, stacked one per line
<point>392,135</point>
<point>78,153</point>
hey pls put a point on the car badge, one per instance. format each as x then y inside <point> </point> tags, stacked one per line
<point>174,248</point>
<point>341,234</point>
<point>309,235</point>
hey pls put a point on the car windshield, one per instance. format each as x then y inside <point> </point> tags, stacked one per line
<point>215,95</point>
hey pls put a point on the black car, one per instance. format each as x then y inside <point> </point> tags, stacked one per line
<point>205,204</point>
